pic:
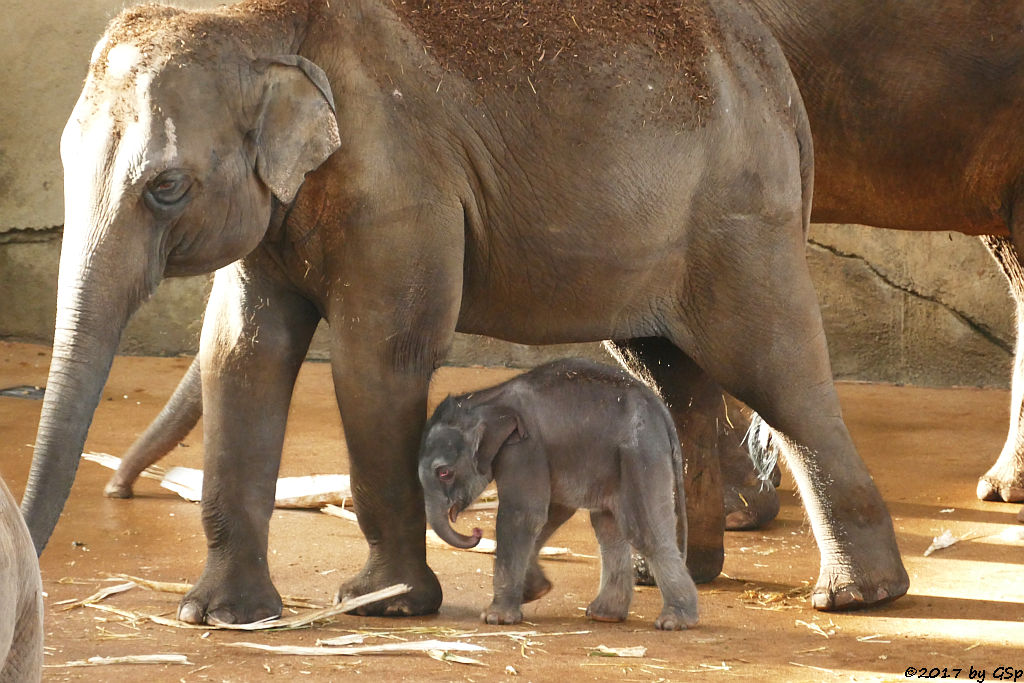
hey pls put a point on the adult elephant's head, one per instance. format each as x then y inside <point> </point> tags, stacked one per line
<point>187,131</point>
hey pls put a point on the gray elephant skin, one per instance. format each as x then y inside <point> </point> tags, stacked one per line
<point>889,152</point>
<point>21,597</point>
<point>640,176</point>
<point>567,435</point>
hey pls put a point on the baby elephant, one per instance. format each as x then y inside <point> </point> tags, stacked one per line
<point>569,434</point>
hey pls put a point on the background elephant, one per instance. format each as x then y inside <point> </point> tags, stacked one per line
<point>21,597</point>
<point>916,110</point>
<point>566,435</point>
<point>649,182</point>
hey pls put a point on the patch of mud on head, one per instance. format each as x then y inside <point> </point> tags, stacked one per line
<point>498,43</point>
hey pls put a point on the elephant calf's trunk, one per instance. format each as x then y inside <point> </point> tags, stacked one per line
<point>441,522</point>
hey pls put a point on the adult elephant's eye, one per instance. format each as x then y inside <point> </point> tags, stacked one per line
<point>169,188</point>
<point>444,473</point>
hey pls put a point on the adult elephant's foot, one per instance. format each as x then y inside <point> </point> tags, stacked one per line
<point>841,588</point>
<point>537,584</point>
<point>1004,481</point>
<point>704,562</point>
<point>1020,515</point>
<point>239,595</point>
<point>424,598</point>
<point>750,507</point>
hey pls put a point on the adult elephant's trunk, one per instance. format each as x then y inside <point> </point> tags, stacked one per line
<point>97,293</point>
<point>440,515</point>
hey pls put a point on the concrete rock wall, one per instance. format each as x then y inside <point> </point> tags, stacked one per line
<point>898,307</point>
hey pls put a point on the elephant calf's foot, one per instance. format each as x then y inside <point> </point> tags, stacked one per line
<point>839,589</point>
<point>424,598</point>
<point>1002,483</point>
<point>750,507</point>
<point>243,599</point>
<point>675,619</point>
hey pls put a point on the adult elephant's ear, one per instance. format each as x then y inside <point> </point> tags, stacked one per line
<point>297,128</point>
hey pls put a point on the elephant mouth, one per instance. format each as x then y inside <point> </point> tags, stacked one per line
<point>453,514</point>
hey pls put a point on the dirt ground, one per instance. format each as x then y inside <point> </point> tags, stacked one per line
<point>925,448</point>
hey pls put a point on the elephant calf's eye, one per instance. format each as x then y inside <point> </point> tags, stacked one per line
<point>444,473</point>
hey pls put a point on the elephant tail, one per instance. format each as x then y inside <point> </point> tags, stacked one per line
<point>678,476</point>
<point>761,447</point>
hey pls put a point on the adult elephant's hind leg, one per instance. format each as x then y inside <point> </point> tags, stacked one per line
<point>173,424</point>
<point>255,337</point>
<point>750,502</point>
<point>1005,479</point>
<point>756,329</point>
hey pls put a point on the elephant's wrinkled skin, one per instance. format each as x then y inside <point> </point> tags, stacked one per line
<point>21,597</point>
<point>916,110</point>
<point>567,435</point>
<point>611,190</point>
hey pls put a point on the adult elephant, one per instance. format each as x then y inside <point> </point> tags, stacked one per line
<point>542,173</point>
<point>21,597</point>
<point>916,110</point>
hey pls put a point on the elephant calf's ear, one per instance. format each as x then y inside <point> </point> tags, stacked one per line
<point>297,129</point>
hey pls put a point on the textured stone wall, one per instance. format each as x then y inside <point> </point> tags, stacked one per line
<point>899,307</point>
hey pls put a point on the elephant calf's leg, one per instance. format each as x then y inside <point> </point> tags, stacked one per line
<point>537,584</point>
<point>694,401</point>
<point>616,592</point>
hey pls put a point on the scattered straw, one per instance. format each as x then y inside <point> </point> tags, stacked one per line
<point>818,629</point>
<point>99,595</point>
<point>445,656</point>
<point>757,597</point>
<point>384,649</point>
<point>943,540</point>
<point>816,668</point>
<point>320,615</point>
<point>605,651</point>
<point>182,588</point>
<point>128,659</point>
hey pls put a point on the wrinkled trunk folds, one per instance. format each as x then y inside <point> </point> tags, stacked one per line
<point>94,303</point>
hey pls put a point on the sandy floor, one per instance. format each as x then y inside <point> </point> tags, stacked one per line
<point>925,449</point>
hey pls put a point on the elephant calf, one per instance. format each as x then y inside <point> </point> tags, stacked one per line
<point>21,597</point>
<point>569,434</point>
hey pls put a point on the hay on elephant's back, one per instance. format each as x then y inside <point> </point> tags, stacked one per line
<point>494,41</point>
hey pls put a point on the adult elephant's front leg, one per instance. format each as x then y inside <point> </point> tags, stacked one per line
<point>1005,479</point>
<point>254,340</point>
<point>383,410</point>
